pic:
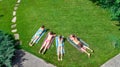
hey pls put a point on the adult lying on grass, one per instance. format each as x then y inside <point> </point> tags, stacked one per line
<point>60,47</point>
<point>46,44</point>
<point>37,35</point>
<point>80,45</point>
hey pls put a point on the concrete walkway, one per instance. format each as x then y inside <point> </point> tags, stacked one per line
<point>25,59</point>
<point>114,62</point>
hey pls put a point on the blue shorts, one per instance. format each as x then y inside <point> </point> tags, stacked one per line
<point>37,33</point>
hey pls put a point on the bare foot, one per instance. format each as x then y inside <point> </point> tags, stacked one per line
<point>61,59</point>
<point>92,51</point>
<point>89,55</point>
<point>58,59</point>
<point>30,44</point>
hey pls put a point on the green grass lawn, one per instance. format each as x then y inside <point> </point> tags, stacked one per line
<point>6,8</point>
<point>64,17</point>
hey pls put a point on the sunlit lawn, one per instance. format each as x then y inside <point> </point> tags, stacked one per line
<point>64,17</point>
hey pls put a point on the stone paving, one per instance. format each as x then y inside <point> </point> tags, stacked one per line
<point>14,20</point>
<point>25,59</point>
<point>114,62</point>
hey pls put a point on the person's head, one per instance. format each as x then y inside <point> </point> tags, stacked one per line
<point>60,37</point>
<point>42,26</point>
<point>51,33</point>
<point>72,36</point>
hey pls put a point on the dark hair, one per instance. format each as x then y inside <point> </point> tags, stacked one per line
<point>73,35</point>
<point>60,37</point>
<point>51,32</point>
<point>43,26</point>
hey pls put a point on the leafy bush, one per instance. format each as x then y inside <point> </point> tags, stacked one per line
<point>112,5</point>
<point>6,49</point>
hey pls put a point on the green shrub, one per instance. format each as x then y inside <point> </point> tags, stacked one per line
<point>112,5</point>
<point>6,49</point>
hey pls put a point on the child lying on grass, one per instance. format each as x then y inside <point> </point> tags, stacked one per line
<point>46,44</point>
<point>37,35</point>
<point>60,47</point>
<point>80,45</point>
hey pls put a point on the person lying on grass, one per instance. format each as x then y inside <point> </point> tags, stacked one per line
<point>83,48</point>
<point>60,48</point>
<point>37,35</point>
<point>46,43</point>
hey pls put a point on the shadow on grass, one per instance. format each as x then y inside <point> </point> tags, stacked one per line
<point>17,44</point>
<point>118,25</point>
<point>47,30</point>
<point>94,1</point>
<point>1,16</point>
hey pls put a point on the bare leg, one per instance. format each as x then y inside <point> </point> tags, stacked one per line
<point>40,51</point>
<point>88,48</point>
<point>42,47</point>
<point>32,42</point>
<point>85,52</point>
<point>35,39</point>
<point>61,53</point>
<point>58,54</point>
<point>45,48</point>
